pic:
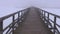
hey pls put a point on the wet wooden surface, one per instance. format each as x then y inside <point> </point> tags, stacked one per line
<point>33,25</point>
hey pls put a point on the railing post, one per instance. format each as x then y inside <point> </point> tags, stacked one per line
<point>21,14</point>
<point>18,15</point>
<point>1,27</point>
<point>44,17</point>
<point>13,19</point>
<point>54,24</point>
<point>48,19</point>
<point>42,14</point>
<point>39,13</point>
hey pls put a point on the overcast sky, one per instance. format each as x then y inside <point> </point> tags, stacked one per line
<point>13,3</point>
<point>26,3</point>
<point>48,3</point>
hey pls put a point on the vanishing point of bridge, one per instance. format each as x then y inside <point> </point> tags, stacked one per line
<point>30,21</point>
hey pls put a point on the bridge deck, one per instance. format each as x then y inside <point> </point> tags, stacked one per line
<point>33,25</point>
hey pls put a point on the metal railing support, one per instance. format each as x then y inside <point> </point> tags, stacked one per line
<point>1,27</point>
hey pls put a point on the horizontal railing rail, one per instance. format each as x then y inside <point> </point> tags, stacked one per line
<point>48,21</point>
<point>11,27</point>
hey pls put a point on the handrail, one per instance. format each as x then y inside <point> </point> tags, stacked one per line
<point>14,21</point>
<point>5,17</point>
<point>48,20</point>
<point>53,14</point>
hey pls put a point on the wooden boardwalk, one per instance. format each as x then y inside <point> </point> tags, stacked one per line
<point>31,20</point>
<point>33,25</point>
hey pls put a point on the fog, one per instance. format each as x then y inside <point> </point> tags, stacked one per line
<point>10,6</point>
<point>27,3</point>
<point>47,3</point>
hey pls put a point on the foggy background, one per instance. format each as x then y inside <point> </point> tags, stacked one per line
<point>10,6</point>
<point>26,3</point>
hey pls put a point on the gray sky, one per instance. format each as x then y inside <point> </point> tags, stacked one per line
<point>46,3</point>
<point>27,3</point>
<point>13,3</point>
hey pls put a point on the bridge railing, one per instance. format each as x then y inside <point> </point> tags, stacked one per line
<point>49,21</point>
<point>11,27</point>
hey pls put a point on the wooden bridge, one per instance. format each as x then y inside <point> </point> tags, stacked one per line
<point>30,21</point>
